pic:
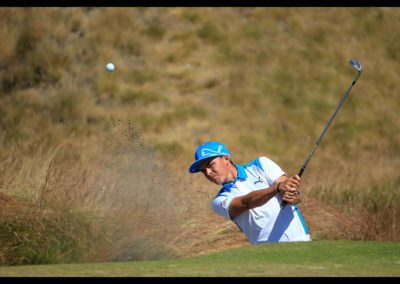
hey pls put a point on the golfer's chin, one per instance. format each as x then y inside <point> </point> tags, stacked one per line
<point>215,180</point>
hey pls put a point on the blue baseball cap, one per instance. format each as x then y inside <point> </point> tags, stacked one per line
<point>207,150</point>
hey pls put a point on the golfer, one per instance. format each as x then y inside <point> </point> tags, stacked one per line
<point>251,195</point>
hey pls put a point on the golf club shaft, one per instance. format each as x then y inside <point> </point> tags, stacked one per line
<point>303,167</point>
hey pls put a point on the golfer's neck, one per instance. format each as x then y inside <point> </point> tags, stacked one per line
<point>233,173</point>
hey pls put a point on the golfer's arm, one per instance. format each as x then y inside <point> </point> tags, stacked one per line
<point>253,199</point>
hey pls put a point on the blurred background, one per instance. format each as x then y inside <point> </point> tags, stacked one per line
<point>94,164</point>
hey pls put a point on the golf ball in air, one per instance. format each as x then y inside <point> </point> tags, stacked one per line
<point>110,67</point>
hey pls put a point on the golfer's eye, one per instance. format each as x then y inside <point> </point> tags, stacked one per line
<point>211,166</point>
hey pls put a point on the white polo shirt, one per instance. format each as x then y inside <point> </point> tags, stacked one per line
<point>266,223</point>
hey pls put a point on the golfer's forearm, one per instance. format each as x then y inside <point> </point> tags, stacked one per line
<point>258,197</point>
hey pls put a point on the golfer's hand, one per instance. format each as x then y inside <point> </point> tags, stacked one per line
<point>292,198</point>
<point>290,190</point>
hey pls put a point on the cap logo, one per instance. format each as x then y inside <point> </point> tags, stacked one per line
<point>210,152</point>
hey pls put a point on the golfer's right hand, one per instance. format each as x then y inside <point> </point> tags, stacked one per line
<point>290,190</point>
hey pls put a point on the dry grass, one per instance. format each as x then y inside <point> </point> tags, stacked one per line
<point>115,147</point>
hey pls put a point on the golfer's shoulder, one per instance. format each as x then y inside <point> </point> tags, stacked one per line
<point>264,163</point>
<point>259,162</point>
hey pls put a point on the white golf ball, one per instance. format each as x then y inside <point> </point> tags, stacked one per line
<point>110,67</point>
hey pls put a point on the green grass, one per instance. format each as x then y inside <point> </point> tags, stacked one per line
<point>317,258</point>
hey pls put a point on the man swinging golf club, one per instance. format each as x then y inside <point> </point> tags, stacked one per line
<point>255,195</point>
<point>251,195</point>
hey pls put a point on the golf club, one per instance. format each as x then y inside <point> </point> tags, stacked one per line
<point>356,64</point>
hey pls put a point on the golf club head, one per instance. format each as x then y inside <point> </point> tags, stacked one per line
<point>356,64</point>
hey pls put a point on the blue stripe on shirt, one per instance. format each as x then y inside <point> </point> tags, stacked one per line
<point>301,219</point>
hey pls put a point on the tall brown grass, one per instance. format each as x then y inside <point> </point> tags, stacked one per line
<point>124,200</point>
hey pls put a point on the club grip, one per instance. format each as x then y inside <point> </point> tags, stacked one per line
<point>283,203</point>
<point>301,172</point>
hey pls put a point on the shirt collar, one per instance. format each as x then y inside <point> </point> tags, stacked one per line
<point>241,174</point>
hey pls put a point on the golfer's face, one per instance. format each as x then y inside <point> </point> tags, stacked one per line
<point>215,169</point>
